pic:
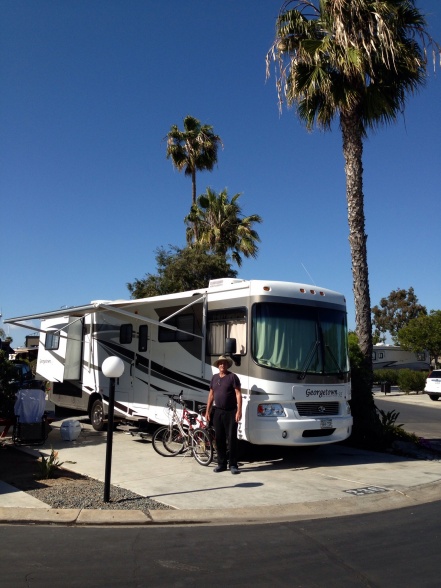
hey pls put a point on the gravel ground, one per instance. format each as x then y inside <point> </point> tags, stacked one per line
<point>89,493</point>
<point>66,489</point>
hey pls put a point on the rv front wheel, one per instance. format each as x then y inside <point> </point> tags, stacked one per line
<point>97,416</point>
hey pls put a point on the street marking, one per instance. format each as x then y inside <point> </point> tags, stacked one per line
<point>366,490</point>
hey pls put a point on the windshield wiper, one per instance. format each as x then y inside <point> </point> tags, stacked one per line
<point>340,371</point>
<point>308,360</point>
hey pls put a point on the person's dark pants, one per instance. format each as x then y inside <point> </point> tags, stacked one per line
<point>225,427</point>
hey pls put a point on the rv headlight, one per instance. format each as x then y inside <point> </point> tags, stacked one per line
<point>270,410</point>
<point>348,408</point>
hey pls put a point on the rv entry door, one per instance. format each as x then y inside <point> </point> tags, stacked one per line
<point>60,347</point>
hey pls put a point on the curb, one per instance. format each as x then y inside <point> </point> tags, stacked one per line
<point>348,506</point>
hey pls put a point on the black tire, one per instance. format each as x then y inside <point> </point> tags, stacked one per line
<point>433,397</point>
<point>97,416</point>
<point>167,442</point>
<point>202,446</point>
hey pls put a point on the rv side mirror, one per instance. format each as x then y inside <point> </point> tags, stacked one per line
<point>230,346</point>
<point>230,349</point>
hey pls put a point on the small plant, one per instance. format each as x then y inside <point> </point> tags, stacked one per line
<point>48,465</point>
<point>389,430</point>
<point>388,419</point>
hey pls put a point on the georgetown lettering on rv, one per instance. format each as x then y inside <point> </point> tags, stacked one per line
<point>322,393</point>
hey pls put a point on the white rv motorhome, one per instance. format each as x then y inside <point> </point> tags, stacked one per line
<point>288,342</point>
<point>394,357</point>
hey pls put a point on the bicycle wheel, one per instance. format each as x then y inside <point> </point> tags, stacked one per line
<point>176,442</point>
<point>202,447</point>
<point>167,442</point>
<point>212,434</point>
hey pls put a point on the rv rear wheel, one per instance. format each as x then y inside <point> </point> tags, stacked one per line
<point>97,416</point>
<point>433,397</point>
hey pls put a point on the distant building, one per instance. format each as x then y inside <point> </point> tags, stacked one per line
<point>32,340</point>
<point>30,351</point>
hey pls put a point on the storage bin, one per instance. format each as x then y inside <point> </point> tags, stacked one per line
<point>70,430</point>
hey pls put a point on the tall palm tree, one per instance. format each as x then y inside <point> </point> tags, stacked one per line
<point>216,223</point>
<point>357,60</point>
<point>193,149</point>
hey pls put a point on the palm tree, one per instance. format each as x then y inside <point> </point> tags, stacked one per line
<point>216,223</point>
<point>193,149</point>
<point>357,60</point>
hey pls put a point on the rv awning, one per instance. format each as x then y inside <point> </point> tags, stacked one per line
<point>77,311</point>
<point>125,307</point>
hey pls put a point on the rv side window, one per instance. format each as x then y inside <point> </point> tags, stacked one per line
<point>380,355</point>
<point>224,324</point>
<point>421,356</point>
<point>142,341</point>
<point>52,341</point>
<point>184,322</point>
<point>126,334</point>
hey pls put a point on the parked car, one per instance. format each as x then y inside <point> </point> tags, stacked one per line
<point>24,372</point>
<point>433,385</point>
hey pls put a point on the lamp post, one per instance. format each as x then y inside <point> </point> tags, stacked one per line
<point>113,367</point>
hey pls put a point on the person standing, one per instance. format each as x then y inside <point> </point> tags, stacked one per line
<point>226,399</point>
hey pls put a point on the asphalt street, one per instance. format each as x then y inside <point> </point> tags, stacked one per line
<point>385,549</point>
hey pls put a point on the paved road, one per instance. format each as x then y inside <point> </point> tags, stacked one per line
<point>388,549</point>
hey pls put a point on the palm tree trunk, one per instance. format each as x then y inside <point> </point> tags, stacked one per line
<point>193,186</point>
<point>193,200</point>
<point>353,152</point>
<point>362,403</point>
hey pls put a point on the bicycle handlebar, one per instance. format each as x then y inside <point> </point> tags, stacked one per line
<point>175,398</point>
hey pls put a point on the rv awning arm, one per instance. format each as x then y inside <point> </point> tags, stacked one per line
<point>144,319</point>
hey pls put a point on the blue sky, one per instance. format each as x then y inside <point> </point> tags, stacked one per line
<point>89,90</point>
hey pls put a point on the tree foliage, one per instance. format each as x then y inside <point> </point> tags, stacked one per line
<point>180,270</point>
<point>423,333</point>
<point>5,345</point>
<point>193,149</point>
<point>217,224</point>
<point>395,311</point>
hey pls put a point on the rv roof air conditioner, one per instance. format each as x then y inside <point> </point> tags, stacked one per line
<point>223,282</point>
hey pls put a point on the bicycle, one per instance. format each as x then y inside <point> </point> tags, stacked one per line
<point>183,434</point>
<point>209,428</point>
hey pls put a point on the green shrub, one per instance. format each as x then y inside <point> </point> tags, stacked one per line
<point>411,381</point>
<point>386,376</point>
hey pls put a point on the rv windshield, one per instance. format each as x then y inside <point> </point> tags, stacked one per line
<point>302,339</point>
